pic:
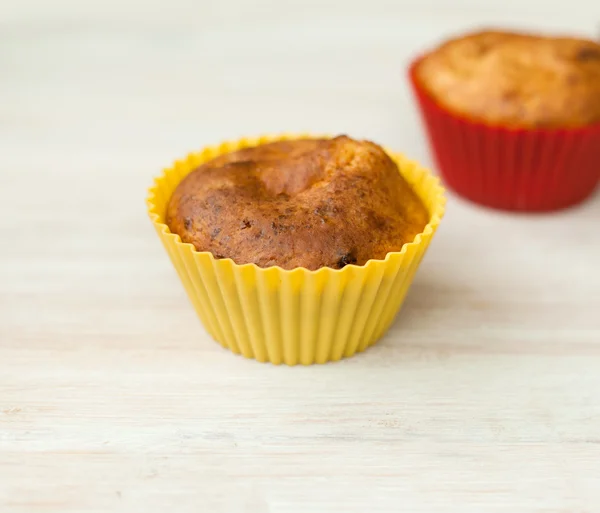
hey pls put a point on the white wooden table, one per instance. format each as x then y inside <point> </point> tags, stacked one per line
<point>485,395</point>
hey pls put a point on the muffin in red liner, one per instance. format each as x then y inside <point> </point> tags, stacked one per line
<point>507,166</point>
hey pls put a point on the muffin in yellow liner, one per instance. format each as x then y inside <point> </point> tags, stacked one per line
<point>294,316</point>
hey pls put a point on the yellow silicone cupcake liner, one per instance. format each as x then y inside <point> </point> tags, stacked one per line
<point>298,316</point>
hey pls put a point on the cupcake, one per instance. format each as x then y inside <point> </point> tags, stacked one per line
<point>513,119</point>
<point>296,250</point>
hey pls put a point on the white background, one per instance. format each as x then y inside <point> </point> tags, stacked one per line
<point>485,395</point>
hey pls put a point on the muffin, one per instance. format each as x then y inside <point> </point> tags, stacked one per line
<point>308,203</point>
<point>294,249</point>
<point>513,119</point>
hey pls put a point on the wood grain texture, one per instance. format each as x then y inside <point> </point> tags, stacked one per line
<point>484,396</point>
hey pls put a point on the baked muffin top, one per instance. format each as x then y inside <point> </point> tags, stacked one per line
<point>308,203</point>
<point>516,79</point>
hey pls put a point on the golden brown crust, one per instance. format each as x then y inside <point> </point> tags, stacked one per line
<point>305,203</point>
<point>516,79</point>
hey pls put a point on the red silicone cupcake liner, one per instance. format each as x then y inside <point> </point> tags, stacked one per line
<point>511,168</point>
